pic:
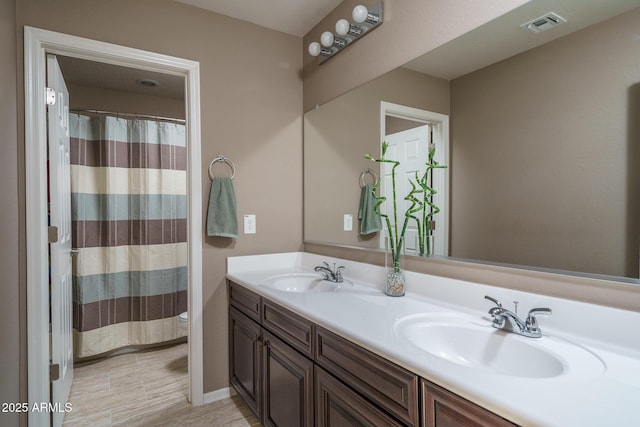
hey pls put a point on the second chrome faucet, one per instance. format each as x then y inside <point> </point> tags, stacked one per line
<point>331,274</point>
<point>509,321</point>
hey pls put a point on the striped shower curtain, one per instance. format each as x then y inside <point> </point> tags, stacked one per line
<point>129,219</point>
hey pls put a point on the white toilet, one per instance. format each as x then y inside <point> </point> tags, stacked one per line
<point>184,321</point>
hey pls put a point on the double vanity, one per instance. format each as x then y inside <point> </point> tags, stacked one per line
<point>308,347</point>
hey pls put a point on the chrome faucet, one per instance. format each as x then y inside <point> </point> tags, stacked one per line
<point>332,275</point>
<point>509,321</point>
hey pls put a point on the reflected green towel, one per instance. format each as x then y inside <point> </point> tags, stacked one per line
<point>370,222</point>
<point>222,214</point>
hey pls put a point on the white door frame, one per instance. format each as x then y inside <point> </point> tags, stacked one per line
<point>440,124</point>
<point>37,43</point>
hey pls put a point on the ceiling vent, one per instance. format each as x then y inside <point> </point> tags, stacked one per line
<point>545,22</point>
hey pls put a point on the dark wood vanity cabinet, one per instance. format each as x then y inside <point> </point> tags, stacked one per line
<point>292,372</point>
<point>441,408</point>
<point>245,354</point>
<point>288,385</point>
<point>265,366</point>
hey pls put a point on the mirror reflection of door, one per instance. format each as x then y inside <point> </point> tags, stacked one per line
<point>408,132</point>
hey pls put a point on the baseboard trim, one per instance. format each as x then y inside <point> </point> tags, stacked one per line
<point>214,396</point>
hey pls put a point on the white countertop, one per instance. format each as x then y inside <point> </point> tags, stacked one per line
<point>364,315</point>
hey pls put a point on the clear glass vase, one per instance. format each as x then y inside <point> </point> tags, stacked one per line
<point>395,282</point>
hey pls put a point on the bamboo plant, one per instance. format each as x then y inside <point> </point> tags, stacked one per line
<point>421,209</point>
<point>396,235</point>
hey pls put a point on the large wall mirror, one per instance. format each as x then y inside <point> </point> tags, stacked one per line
<point>544,127</point>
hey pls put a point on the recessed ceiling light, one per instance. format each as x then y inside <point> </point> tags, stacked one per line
<point>147,82</point>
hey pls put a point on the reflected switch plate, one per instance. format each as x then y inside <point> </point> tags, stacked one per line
<point>250,224</point>
<point>348,222</point>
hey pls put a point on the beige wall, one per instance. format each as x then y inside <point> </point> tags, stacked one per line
<point>337,136</point>
<point>570,109</point>
<point>410,28</point>
<point>12,351</point>
<point>124,102</point>
<point>251,104</point>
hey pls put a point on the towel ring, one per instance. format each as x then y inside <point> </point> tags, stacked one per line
<point>368,172</point>
<point>222,159</point>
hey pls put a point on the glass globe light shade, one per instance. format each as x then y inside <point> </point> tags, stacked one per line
<point>342,27</point>
<point>360,13</point>
<point>314,48</point>
<point>326,39</point>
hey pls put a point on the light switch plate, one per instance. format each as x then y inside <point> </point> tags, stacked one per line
<point>250,224</point>
<point>348,222</point>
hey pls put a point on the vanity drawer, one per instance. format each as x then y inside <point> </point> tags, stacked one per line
<point>290,327</point>
<point>337,404</point>
<point>246,301</point>
<point>391,387</point>
<point>440,407</point>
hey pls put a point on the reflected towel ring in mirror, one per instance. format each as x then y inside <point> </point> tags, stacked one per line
<point>369,172</point>
<point>222,159</point>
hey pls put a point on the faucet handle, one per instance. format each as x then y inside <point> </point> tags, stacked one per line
<point>338,273</point>
<point>531,323</point>
<point>535,311</point>
<point>493,300</point>
<point>496,311</point>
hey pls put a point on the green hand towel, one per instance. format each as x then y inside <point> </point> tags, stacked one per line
<point>370,222</point>
<point>222,214</point>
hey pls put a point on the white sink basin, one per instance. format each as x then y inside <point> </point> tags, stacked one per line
<point>302,282</point>
<point>474,343</point>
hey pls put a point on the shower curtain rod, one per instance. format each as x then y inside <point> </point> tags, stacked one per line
<point>133,115</point>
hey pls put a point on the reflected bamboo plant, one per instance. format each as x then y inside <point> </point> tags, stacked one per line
<point>425,231</point>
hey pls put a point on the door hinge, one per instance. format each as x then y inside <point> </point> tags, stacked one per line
<point>431,225</point>
<point>50,96</point>
<point>54,372</point>
<point>53,234</point>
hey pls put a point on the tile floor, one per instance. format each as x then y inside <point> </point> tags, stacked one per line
<point>146,389</point>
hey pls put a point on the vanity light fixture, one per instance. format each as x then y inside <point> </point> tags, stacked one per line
<point>364,20</point>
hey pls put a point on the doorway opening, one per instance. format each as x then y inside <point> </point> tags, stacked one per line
<point>38,43</point>
<point>128,206</point>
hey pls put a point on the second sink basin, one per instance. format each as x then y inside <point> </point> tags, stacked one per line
<point>474,343</point>
<point>302,282</point>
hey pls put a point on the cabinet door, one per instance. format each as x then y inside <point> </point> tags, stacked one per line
<point>441,408</point>
<point>245,346</point>
<point>288,385</point>
<point>337,405</point>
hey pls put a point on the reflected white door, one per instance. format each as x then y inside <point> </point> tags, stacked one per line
<point>410,147</point>
<point>60,218</point>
